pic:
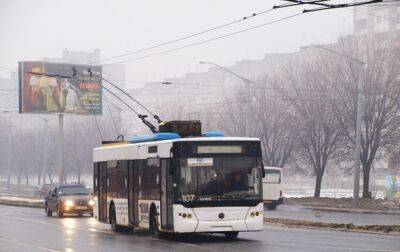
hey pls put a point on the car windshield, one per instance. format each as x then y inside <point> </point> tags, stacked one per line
<point>218,178</point>
<point>73,190</point>
<point>272,176</point>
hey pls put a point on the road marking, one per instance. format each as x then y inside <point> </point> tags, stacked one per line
<point>8,239</point>
<point>327,247</point>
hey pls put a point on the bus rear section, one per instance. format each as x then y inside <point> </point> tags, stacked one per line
<point>272,187</point>
<point>191,185</point>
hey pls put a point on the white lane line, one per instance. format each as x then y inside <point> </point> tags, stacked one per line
<point>327,247</point>
<point>8,239</point>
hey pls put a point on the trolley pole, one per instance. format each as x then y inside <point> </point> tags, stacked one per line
<point>61,147</point>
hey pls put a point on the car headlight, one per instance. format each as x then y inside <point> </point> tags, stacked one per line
<point>69,203</point>
<point>91,202</point>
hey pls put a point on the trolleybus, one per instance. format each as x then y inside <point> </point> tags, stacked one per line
<point>165,183</point>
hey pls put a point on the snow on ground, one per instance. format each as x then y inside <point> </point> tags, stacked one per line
<point>325,193</point>
<point>20,199</point>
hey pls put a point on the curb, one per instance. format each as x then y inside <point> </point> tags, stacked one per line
<point>376,229</point>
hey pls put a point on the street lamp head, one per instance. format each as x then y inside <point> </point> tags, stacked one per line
<point>202,62</point>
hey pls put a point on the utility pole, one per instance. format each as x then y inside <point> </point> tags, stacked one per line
<point>357,148</point>
<point>61,148</point>
<point>247,83</point>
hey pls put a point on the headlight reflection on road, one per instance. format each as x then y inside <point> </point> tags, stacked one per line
<point>69,225</point>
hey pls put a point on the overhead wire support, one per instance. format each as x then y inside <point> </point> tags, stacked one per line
<point>297,3</point>
<point>323,5</point>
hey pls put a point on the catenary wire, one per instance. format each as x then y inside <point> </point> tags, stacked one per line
<point>206,41</point>
<point>184,37</point>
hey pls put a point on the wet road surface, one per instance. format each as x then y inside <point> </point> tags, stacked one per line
<point>298,212</point>
<point>28,229</point>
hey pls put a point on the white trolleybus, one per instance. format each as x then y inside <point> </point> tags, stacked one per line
<point>167,183</point>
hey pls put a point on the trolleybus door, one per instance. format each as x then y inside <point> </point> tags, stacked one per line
<point>132,193</point>
<point>166,195</point>
<point>102,193</point>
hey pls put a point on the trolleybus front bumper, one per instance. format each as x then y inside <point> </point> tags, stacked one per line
<point>218,219</point>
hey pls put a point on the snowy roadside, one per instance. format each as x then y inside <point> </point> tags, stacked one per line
<point>376,229</point>
<point>23,201</point>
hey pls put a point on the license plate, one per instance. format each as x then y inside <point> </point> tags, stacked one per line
<point>80,207</point>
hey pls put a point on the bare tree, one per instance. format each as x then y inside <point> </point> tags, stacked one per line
<point>273,124</point>
<point>381,91</point>
<point>320,136</point>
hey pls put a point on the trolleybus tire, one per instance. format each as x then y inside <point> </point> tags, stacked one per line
<point>231,235</point>
<point>48,211</point>
<point>113,220</point>
<point>153,223</point>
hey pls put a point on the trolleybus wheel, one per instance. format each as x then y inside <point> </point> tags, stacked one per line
<point>113,220</point>
<point>153,224</point>
<point>231,235</point>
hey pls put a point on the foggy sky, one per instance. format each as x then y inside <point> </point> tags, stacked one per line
<point>31,30</point>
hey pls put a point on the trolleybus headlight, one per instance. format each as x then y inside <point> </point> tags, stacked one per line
<point>184,215</point>
<point>69,203</point>
<point>91,203</point>
<point>189,216</point>
<point>258,213</point>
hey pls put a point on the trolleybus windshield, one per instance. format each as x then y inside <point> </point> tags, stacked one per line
<point>218,178</point>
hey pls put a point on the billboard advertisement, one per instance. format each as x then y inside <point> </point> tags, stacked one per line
<point>56,88</point>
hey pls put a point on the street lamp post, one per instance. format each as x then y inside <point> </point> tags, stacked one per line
<point>358,98</point>
<point>246,81</point>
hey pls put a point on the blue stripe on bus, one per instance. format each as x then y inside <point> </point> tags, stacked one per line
<point>154,137</point>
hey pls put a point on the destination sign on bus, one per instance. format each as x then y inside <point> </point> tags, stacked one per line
<point>200,162</point>
<point>206,149</point>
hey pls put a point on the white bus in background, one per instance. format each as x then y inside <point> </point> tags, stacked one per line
<point>272,187</point>
<point>180,185</point>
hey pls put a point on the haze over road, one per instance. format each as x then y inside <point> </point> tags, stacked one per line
<point>28,229</point>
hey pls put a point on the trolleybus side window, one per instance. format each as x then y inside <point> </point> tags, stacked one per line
<point>151,178</point>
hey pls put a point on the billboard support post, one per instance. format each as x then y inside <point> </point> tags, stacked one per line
<point>61,147</point>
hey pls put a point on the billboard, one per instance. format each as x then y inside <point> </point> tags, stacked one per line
<point>56,88</point>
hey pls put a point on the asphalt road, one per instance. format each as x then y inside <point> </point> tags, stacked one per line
<point>298,212</point>
<point>27,229</point>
